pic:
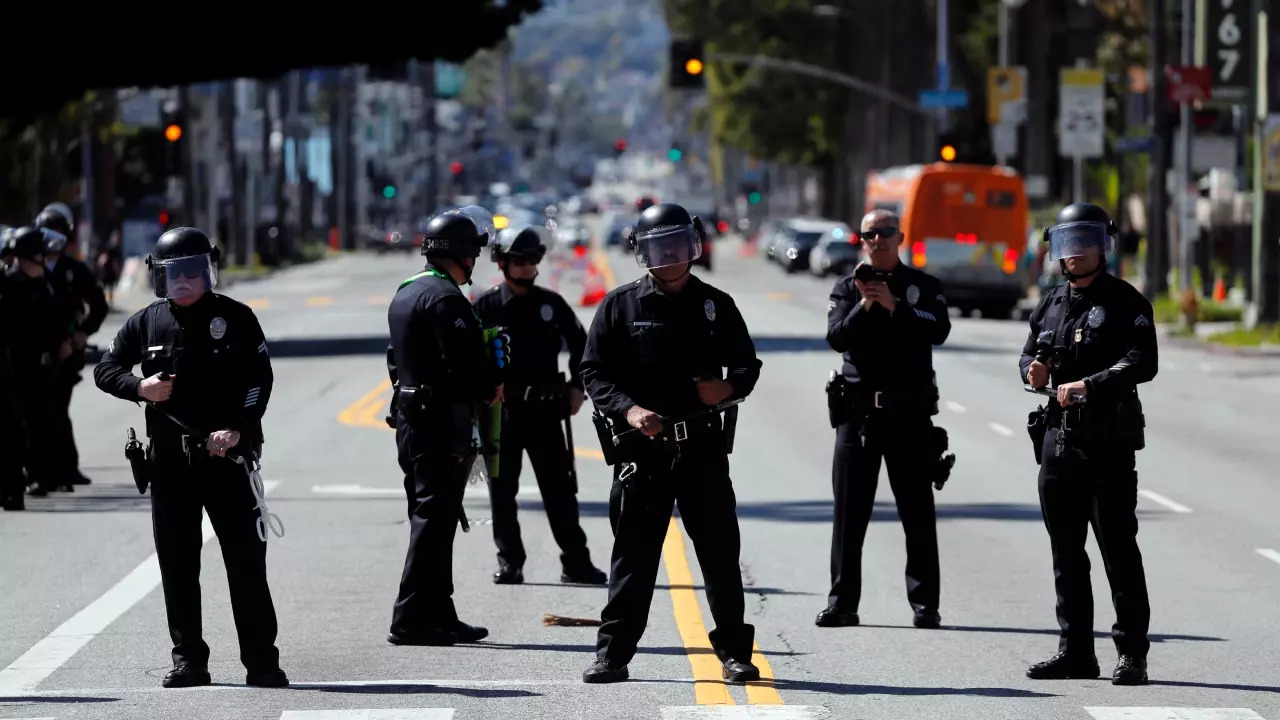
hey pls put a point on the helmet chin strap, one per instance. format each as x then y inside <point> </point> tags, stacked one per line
<point>688,268</point>
<point>1071,277</point>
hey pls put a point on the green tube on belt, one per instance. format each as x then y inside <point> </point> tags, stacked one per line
<point>491,430</point>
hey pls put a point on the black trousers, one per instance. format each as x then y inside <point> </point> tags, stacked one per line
<point>640,513</point>
<point>180,489</point>
<point>536,429</point>
<point>434,482</point>
<point>855,472</point>
<point>12,439</point>
<point>66,457</point>
<point>1102,492</point>
<point>34,389</point>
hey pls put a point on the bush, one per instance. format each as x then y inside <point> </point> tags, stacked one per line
<point>1168,311</point>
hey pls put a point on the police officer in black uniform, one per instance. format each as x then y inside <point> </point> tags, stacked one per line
<point>881,404</point>
<point>536,400</point>
<point>12,443</point>
<point>78,286</point>
<point>441,373</point>
<point>1094,339</point>
<point>38,345</point>
<point>658,347</point>
<point>204,364</point>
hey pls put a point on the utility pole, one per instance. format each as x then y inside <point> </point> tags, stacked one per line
<point>189,155</point>
<point>1157,203</point>
<point>944,63</point>
<point>235,223</point>
<point>1187,225</point>
<point>1266,252</point>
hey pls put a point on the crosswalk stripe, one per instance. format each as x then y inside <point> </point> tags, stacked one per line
<point>319,301</point>
<point>400,714</point>
<point>1171,713</point>
<point>745,712</point>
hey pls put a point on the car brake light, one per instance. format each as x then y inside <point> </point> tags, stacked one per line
<point>917,254</point>
<point>722,226</point>
<point>1010,261</point>
<point>967,238</point>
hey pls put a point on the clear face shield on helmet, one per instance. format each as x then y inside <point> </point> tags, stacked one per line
<point>1077,239</point>
<point>54,241</point>
<point>184,277</point>
<point>483,220</point>
<point>667,246</point>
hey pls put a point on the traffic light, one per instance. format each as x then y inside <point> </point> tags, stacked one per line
<point>619,147</point>
<point>455,168</point>
<point>389,191</point>
<point>687,64</point>
<point>947,148</point>
<point>674,154</point>
<point>174,124</point>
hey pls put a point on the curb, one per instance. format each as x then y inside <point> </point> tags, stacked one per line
<point>1216,348</point>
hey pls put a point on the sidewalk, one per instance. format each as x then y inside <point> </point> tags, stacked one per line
<point>1167,334</point>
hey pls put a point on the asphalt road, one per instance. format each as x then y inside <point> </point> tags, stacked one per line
<point>82,631</point>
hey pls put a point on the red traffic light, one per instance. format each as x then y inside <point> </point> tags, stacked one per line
<point>620,146</point>
<point>455,168</point>
<point>163,218</point>
<point>722,227</point>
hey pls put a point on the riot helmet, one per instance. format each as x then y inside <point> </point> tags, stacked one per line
<point>57,218</point>
<point>666,234</point>
<point>527,242</point>
<point>1077,228</point>
<point>27,243</point>
<point>183,264</point>
<point>458,234</point>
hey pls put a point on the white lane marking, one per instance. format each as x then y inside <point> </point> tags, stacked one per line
<point>1169,365</point>
<point>1206,367</point>
<point>954,406</point>
<point>1270,554</point>
<point>997,427</point>
<point>365,491</point>
<point>1156,497</point>
<point>1171,713</point>
<point>402,714</point>
<point>45,657</point>
<point>745,712</point>
<point>319,685</point>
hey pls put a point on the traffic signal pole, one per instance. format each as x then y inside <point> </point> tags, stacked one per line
<point>1157,198</point>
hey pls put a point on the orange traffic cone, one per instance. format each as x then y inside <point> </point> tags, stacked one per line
<point>1219,290</point>
<point>749,247</point>
<point>593,289</point>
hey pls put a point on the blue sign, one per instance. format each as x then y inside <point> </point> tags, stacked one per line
<point>933,99</point>
<point>1136,144</point>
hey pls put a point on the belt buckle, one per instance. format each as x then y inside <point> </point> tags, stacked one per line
<point>876,400</point>
<point>682,431</point>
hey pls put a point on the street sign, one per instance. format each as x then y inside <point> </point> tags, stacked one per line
<point>1006,95</point>
<point>1004,139</point>
<point>1228,49</point>
<point>934,99</point>
<point>1189,84</point>
<point>1136,144</point>
<point>1081,113</point>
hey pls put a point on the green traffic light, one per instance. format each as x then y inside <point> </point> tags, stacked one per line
<point>389,192</point>
<point>754,198</point>
<point>674,154</point>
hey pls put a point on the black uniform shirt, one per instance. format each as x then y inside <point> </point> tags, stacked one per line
<point>1107,334</point>
<point>436,341</point>
<point>36,322</point>
<point>76,283</point>
<point>889,351</point>
<point>217,354</point>
<point>648,348</point>
<point>540,323</point>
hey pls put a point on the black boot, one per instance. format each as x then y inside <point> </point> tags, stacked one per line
<point>508,574</point>
<point>927,619</point>
<point>604,671</point>
<point>738,671</point>
<point>1131,670</point>
<point>835,617</point>
<point>13,502</point>
<point>586,574</point>
<point>185,676</point>
<point>1065,667</point>
<point>274,678</point>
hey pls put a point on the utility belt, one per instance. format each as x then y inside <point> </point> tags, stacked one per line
<point>1088,429</point>
<point>454,422</point>
<point>408,401</point>
<point>555,391</point>
<point>847,402</point>
<point>622,444</point>
<point>194,447</point>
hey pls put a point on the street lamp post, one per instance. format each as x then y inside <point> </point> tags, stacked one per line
<point>1003,53</point>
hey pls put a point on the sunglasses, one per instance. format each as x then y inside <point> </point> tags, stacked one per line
<point>191,273</point>
<point>878,232</point>
<point>517,261</point>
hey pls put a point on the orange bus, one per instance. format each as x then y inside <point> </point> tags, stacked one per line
<point>965,225</point>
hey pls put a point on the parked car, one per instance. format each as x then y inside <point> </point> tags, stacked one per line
<point>837,252</point>
<point>800,236</point>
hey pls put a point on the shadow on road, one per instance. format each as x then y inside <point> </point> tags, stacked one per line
<point>55,699</point>
<point>750,589</point>
<point>834,688</point>
<point>591,649</point>
<point>414,689</point>
<point>820,511</point>
<point>1219,686</point>
<point>1155,638</point>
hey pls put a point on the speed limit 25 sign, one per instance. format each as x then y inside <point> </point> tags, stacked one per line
<point>1228,29</point>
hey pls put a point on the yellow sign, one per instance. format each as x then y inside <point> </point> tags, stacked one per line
<point>1006,95</point>
<point>1271,154</point>
<point>1083,77</point>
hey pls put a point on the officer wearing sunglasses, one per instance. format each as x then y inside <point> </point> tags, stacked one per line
<point>537,400</point>
<point>204,361</point>
<point>885,318</point>
<point>1093,341</point>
